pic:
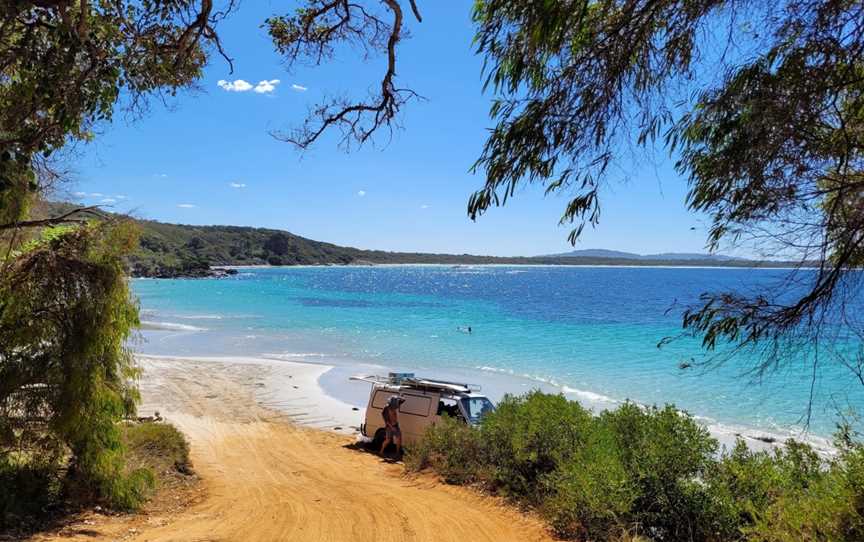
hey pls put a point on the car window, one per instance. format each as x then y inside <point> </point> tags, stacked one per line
<point>449,407</point>
<point>381,398</point>
<point>416,405</point>
<point>477,407</point>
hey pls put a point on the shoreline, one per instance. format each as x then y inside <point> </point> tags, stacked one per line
<point>291,388</point>
<point>495,383</point>
<point>319,395</point>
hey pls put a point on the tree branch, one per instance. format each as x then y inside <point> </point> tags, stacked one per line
<point>313,34</point>
<point>65,218</point>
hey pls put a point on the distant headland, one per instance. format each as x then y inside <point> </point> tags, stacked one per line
<point>179,250</point>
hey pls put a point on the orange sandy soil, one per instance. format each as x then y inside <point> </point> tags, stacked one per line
<point>265,478</point>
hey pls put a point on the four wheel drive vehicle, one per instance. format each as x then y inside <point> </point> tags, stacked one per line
<point>425,401</point>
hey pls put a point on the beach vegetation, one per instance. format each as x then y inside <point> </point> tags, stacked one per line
<point>158,447</point>
<point>33,493</point>
<point>66,376</point>
<point>647,472</point>
<point>67,379</point>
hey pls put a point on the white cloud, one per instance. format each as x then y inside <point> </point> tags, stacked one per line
<point>186,205</point>
<point>238,85</point>
<point>299,88</point>
<point>237,185</point>
<point>361,193</point>
<point>424,206</point>
<point>160,175</point>
<point>263,87</point>
<point>99,195</point>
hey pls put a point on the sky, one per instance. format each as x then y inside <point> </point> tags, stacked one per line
<point>208,157</point>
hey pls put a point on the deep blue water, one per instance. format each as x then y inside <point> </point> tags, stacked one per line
<point>591,332</point>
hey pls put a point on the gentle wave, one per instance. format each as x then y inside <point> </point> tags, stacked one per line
<point>589,395</point>
<point>169,326</point>
<point>213,316</point>
<point>288,356</point>
<point>775,437</point>
<point>584,394</point>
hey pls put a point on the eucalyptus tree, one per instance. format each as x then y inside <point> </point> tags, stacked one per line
<point>761,104</point>
<point>66,377</point>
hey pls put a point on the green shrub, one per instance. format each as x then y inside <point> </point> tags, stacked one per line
<point>160,447</point>
<point>66,375</point>
<point>450,447</point>
<point>146,450</point>
<point>530,437</point>
<point>809,502</point>
<point>127,491</point>
<point>665,454</point>
<point>593,495</point>
<point>648,472</point>
<point>27,489</point>
<point>123,477</point>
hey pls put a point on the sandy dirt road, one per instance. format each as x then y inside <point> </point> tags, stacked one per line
<point>265,478</point>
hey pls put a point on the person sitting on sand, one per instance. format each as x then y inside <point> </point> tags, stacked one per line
<point>391,422</point>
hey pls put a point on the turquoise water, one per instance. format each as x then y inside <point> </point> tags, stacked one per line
<point>589,332</point>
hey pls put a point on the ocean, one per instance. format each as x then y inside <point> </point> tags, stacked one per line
<point>591,333</point>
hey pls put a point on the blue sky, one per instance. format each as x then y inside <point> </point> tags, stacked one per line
<point>208,158</point>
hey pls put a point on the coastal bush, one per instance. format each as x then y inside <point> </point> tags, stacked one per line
<point>807,500</point>
<point>452,449</point>
<point>66,377</point>
<point>530,437</point>
<point>638,469</point>
<point>159,447</point>
<point>664,454</point>
<point>593,495</point>
<point>32,490</point>
<point>27,489</point>
<point>649,472</point>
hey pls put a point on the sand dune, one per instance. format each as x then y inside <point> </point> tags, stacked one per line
<point>266,478</point>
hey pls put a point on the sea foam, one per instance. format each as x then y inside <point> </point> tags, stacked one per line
<point>169,326</point>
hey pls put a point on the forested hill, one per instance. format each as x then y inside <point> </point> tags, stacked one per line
<point>170,250</point>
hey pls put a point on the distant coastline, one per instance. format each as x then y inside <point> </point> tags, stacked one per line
<point>188,251</point>
<point>223,271</point>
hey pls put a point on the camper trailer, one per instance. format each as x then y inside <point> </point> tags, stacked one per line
<point>425,402</point>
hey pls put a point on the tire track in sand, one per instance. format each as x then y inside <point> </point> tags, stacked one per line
<point>272,481</point>
<point>266,479</point>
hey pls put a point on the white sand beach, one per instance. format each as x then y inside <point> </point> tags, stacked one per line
<point>287,387</point>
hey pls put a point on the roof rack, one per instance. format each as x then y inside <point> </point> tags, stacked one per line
<point>409,380</point>
<point>444,384</point>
